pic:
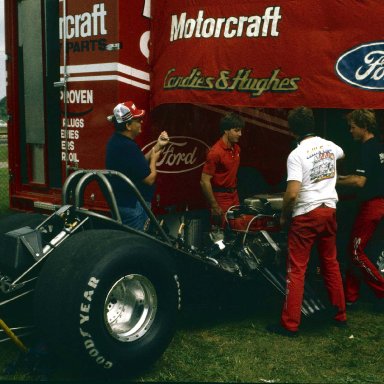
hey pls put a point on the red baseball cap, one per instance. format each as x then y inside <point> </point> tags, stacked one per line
<point>127,111</point>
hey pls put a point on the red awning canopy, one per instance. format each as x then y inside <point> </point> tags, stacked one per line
<point>322,54</point>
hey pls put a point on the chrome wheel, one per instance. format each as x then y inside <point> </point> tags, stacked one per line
<point>130,308</point>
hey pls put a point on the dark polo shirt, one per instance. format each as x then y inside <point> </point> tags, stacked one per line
<point>371,165</point>
<point>125,156</point>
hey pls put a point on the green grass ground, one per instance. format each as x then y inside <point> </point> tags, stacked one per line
<point>4,194</point>
<point>228,343</point>
<point>4,197</point>
<point>239,350</point>
<point>3,153</point>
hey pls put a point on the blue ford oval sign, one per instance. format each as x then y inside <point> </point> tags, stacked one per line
<point>363,66</point>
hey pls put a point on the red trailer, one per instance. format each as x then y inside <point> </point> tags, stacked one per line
<point>187,63</point>
<point>70,62</point>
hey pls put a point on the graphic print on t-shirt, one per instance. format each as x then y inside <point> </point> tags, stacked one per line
<point>323,165</point>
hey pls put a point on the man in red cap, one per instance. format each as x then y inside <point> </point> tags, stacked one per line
<point>124,155</point>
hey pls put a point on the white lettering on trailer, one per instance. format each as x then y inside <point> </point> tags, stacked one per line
<point>147,9</point>
<point>69,137</point>
<point>74,123</point>
<point>78,96</point>
<point>85,24</point>
<point>71,134</point>
<point>144,39</point>
<point>69,144</point>
<point>251,26</point>
<point>144,44</point>
<point>72,157</point>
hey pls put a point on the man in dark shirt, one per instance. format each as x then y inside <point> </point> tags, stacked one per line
<point>124,155</point>
<point>369,178</point>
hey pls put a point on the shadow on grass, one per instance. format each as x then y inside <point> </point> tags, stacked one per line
<point>235,301</point>
<point>228,302</point>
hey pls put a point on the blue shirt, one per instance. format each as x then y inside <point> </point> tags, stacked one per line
<point>125,156</point>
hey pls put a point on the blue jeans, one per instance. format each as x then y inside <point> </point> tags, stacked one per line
<point>134,217</point>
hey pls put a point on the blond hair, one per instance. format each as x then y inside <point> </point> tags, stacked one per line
<point>363,118</point>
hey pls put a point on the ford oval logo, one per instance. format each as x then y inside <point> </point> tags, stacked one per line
<point>182,154</point>
<point>363,66</point>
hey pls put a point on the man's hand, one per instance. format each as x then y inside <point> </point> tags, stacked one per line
<point>351,181</point>
<point>216,215</point>
<point>216,211</point>
<point>162,141</point>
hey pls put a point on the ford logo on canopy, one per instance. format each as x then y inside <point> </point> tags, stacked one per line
<point>363,66</point>
<point>182,154</point>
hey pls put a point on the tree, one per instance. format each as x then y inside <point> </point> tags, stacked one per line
<point>3,109</point>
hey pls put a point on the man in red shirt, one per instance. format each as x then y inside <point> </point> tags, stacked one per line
<point>219,176</point>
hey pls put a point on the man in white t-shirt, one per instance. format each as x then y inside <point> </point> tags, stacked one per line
<point>309,208</point>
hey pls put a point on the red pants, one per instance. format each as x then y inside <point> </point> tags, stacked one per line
<point>367,220</point>
<point>318,225</point>
<point>225,201</point>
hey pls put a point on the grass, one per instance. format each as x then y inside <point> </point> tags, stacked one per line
<point>239,350</point>
<point>227,342</point>
<point>4,194</point>
<point>3,152</point>
<point>4,188</point>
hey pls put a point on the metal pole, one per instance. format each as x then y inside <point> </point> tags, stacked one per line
<point>65,84</point>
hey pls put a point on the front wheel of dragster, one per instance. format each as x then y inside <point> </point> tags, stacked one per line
<point>109,299</point>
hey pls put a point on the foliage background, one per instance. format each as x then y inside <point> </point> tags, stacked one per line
<point>4,193</point>
<point>3,110</point>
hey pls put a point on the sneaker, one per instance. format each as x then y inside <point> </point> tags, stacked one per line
<point>280,330</point>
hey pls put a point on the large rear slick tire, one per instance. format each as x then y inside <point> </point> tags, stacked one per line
<point>108,299</point>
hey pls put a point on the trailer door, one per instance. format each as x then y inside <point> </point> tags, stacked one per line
<point>39,113</point>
